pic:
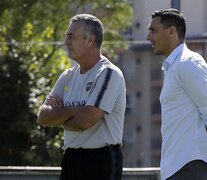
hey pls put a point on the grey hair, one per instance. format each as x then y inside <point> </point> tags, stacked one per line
<point>92,26</point>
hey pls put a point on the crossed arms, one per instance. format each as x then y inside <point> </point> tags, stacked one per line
<point>77,118</point>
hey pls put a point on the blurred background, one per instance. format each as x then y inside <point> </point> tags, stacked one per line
<point>32,57</point>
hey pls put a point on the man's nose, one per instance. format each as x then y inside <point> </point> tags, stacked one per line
<point>148,37</point>
<point>66,42</point>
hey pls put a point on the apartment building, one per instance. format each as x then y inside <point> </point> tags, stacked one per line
<point>143,74</point>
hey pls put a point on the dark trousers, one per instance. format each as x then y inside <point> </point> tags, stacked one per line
<point>92,164</point>
<point>194,170</point>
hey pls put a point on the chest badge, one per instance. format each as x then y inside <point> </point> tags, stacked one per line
<point>89,86</point>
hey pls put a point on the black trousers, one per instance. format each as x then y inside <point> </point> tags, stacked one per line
<point>92,164</point>
<point>194,170</point>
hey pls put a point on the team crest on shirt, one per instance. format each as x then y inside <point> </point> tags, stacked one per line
<point>88,86</point>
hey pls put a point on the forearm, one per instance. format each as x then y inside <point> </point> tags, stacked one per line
<point>73,124</point>
<point>67,126</point>
<point>49,116</point>
<point>85,118</point>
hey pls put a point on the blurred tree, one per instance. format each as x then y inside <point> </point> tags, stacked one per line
<point>31,59</point>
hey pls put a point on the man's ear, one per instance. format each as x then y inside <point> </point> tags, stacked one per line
<point>173,30</point>
<point>91,40</point>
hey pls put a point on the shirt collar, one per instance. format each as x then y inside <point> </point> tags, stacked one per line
<point>173,55</point>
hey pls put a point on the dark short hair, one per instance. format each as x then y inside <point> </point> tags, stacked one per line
<point>91,25</point>
<point>172,17</point>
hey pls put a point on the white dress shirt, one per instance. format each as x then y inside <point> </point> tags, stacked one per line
<point>184,110</point>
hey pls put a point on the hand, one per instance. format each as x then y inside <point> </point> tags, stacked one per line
<point>54,101</point>
<point>66,126</point>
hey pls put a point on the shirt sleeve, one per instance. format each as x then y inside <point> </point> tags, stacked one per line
<point>107,88</point>
<point>193,76</point>
<point>59,86</point>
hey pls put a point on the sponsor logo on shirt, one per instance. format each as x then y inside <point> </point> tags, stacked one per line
<point>75,103</point>
<point>66,88</point>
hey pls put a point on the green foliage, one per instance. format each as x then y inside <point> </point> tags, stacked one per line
<point>16,116</point>
<point>31,59</point>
